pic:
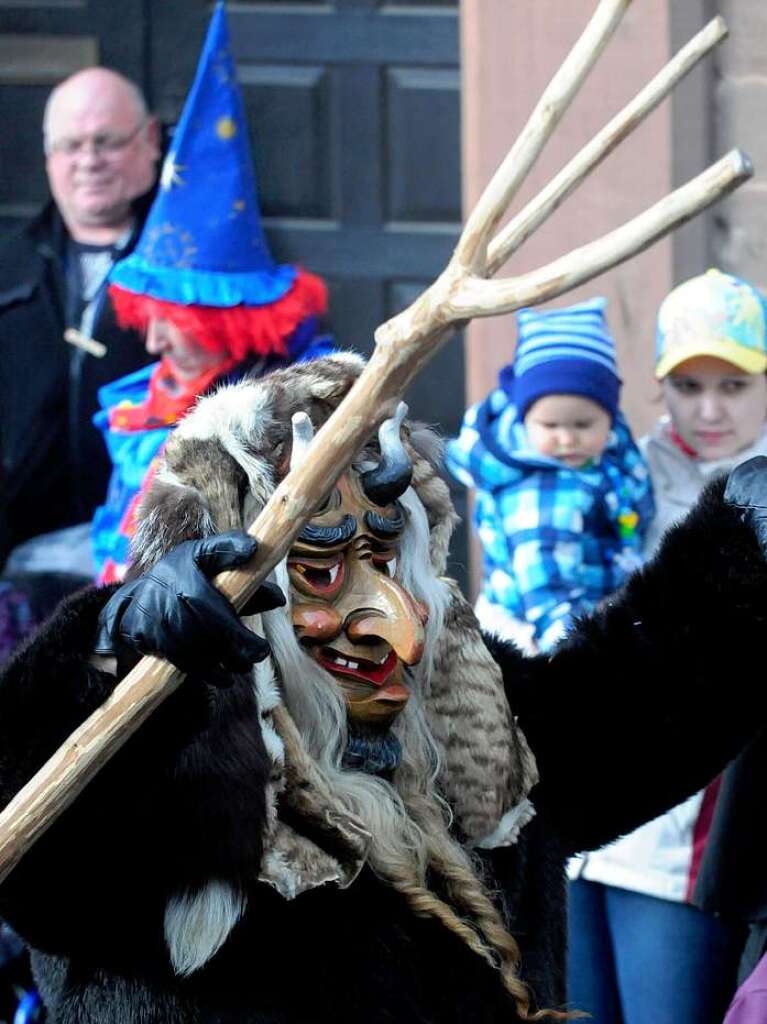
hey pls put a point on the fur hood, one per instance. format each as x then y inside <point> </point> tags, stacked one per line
<point>220,468</point>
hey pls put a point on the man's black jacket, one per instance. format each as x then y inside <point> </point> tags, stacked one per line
<point>55,466</point>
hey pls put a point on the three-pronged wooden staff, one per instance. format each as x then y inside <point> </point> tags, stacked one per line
<point>403,346</point>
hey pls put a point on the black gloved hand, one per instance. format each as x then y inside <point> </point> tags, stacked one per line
<point>747,490</point>
<point>175,612</point>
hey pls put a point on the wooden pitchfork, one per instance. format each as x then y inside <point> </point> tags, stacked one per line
<point>403,346</point>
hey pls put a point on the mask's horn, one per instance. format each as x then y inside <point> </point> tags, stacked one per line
<point>391,477</point>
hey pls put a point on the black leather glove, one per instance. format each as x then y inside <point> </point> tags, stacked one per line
<point>747,490</point>
<point>175,612</point>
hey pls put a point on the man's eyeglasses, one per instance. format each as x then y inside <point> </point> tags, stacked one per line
<point>102,144</point>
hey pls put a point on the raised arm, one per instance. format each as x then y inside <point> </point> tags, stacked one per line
<point>656,691</point>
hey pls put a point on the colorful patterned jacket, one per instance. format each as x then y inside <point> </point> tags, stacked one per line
<point>556,540</point>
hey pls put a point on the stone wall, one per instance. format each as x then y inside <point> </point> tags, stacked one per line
<point>510,49</point>
<point>739,226</point>
<point>509,52</point>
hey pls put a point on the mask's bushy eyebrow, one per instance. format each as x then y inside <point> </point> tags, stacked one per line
<point>382,526</point>
<point>329,536</point>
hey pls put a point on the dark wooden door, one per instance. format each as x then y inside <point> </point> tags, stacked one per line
<point>354,110</point>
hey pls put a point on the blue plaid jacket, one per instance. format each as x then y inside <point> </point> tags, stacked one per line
<point>556,540</point>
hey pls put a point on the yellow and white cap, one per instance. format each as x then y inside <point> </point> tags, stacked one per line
<point>716,315</point>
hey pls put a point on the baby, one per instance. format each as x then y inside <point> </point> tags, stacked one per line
<point>563,494</point>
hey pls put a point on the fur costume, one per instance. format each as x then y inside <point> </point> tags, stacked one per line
<point>239,438</point>
<point>223,867</point>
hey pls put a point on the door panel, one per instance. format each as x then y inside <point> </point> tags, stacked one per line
<point>22,171</point>
<point>291,108</point>
<point>423,173</point>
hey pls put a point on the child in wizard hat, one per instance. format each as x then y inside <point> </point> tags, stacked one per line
<point>563,494</point>
<point>203,287</point>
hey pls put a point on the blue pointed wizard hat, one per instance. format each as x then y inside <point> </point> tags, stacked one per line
<point>203,242</point>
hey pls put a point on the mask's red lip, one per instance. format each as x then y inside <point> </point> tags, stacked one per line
<point>367,670</point>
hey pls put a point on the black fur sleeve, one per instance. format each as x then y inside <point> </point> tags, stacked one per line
<point>654,693</point>
<point>182,802</point>
<point>48,688</point>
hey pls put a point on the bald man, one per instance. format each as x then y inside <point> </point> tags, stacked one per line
<point>101,151</point>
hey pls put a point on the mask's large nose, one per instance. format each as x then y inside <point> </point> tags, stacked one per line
<point>384,611</point>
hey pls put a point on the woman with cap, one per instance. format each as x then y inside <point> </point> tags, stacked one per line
<point>711,362</point>
<point>563,494</point>
<point>203,288</point>
<point>636,921</point>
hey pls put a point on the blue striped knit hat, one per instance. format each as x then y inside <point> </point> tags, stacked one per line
<point>563,352</point>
